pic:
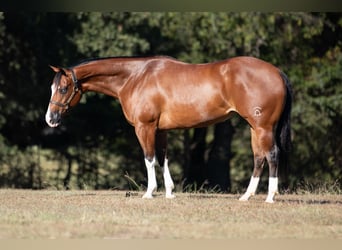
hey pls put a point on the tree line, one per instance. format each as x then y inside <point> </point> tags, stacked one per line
<point>96,148</point>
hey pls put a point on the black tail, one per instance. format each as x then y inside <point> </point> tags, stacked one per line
<point>283,133</point>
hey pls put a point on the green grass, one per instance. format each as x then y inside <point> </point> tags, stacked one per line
<point>113,214</point>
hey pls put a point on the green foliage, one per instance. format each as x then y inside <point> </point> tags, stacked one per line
<point>96,148</point>
<point>109,34</point>
<point>317,118</point>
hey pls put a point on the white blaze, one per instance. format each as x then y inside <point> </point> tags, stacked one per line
<point>48,112</point>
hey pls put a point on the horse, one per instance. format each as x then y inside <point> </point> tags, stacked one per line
<point>160,93</point>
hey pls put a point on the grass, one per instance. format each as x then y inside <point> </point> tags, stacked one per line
<point>122,215</point>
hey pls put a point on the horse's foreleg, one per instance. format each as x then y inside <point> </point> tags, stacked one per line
<point>168,181</point>
<point>161,150</point>
<point>146,137</point>
<point>151,177</point>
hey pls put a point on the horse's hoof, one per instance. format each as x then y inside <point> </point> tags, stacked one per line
<point>244,197</point>
<point>147,196</point>
<point>170,196</point>
<point>270,201</point>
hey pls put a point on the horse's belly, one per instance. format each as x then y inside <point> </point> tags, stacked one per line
<point>190,116</point>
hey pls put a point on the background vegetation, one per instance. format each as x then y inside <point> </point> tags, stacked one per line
<point>96,148</point>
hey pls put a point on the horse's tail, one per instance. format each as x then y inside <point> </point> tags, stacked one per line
<point>283,132</point>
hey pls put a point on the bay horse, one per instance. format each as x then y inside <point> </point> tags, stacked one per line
<point>161,93</point>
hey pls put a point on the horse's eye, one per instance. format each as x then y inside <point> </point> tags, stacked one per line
<point>63,90</point>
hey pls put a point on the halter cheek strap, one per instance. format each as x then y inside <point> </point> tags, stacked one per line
<point>74,80</point>
<point>77,88</point>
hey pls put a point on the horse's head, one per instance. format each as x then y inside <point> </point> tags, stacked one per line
<point>65,93</point>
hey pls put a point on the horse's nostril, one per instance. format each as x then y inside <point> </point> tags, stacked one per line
<point>53,119</point>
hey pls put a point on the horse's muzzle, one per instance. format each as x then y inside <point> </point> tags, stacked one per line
<point>53,119</point>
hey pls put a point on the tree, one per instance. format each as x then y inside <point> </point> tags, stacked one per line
<point>29,40</point>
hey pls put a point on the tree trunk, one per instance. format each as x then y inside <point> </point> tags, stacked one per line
<point>66,180</point>
<point>194,174</point>
<point>212,172</point>
<point>218,167</point>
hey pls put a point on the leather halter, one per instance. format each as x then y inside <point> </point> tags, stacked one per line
<point>75,90</point>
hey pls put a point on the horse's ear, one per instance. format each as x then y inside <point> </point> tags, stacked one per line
<point>58,69</point>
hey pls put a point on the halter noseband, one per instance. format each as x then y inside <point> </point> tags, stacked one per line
<point>75,90</point>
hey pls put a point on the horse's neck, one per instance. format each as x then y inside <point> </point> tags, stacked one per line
<point>105,77</point>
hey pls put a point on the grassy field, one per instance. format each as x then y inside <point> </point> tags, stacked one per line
<point>112,215</point>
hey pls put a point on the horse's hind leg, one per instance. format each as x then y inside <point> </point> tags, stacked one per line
<point>259,161</point>
<point>264,147</point>
<point>273,161</point>
<point>161,151</point>
<point>266,144</point>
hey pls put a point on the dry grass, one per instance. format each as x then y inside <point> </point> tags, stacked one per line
<point>110,214</point>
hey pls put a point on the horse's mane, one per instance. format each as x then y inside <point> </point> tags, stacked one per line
<point>94,59</point>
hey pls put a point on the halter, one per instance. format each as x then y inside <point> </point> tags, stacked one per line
<point>75,90</point>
